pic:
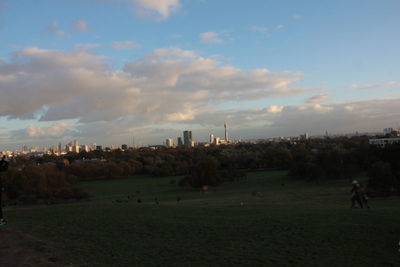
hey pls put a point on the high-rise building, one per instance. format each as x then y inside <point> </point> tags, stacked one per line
<point>169,142</point>
<point>216,140</point>
<point>211,138</point>
<point>180,143</point>
<point>187,138</point>
<point>226,132</point>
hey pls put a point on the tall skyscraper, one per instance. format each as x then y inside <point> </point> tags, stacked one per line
<point>180,143</point>
<point>226,132</point>
<point>187,138</point>
<point>169,142</point>
<point>211,138</point>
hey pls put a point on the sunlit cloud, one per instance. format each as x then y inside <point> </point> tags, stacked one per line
<point>371,86</point>
<point>318,98</point>
<point>155,8</point>
<point>81,85</point>
<point>56,129</point>
<point>210,38</point>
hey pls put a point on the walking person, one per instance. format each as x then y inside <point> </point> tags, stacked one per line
<point>358,195</point>
<point>3,168</point>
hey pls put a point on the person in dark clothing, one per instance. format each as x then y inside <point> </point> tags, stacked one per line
<point>3,168</point>
<point>358,195</point>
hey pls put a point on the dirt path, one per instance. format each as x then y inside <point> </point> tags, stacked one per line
<point>17,249</point>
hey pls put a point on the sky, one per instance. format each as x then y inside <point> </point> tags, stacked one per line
<point>124,71</point>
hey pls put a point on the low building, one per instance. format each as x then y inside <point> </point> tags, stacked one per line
<point>381,142</point>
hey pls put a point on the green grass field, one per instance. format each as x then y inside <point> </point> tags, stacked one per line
<point>266,220</point>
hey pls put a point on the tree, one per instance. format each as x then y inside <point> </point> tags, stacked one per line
<point>205,173</point>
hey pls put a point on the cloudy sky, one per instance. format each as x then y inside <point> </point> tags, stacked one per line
<point>106,71</point>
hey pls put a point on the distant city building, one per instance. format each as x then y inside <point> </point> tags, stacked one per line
<point>391,132</point>
<point>169,142</point>
<point>216,140</point>
<point>226,132</point>
<point>124,147</point>
<point>211,138</point>
<point>381,142</point>
<point>304,136</point>
<point>180,143</point>
<point>187,139</point>
<point>388,130</point>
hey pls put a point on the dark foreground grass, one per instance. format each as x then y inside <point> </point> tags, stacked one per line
<point>268,220</point>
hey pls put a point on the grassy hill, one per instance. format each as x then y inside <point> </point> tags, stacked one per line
<point>266,220</point>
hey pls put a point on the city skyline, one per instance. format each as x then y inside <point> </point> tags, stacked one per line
<point>108,71</point>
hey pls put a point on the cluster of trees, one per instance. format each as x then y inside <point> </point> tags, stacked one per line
<point>45,183</point>
<point>207,172</point>
<point>314,160</point>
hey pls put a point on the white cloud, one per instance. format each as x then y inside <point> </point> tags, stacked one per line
<point>166,85</point>
<point>122,45</point>
<point>80,25</point>
<point>210,38</point>
<point>349,108</point>
<point>56,129</point>
<point>318,98</point>
<point>161,9</point>
<point>274,109</point>
<point>296,17</point>
<point>370,86</point>
<point>259,29</point>
<point>125,45</point>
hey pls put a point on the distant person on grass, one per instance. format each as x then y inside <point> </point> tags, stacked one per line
<point>358,195</point>
<point>3,168</point>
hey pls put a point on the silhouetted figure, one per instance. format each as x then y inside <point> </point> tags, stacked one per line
<point>139,201</point>
<point>178,199</point>
<point>358,195</point>
<point>156,200</point>
<point>3,168</point>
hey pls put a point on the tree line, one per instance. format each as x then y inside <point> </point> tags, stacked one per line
<point>56,177</point>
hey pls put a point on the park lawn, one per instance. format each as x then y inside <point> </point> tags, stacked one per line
<point>266,220</point>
